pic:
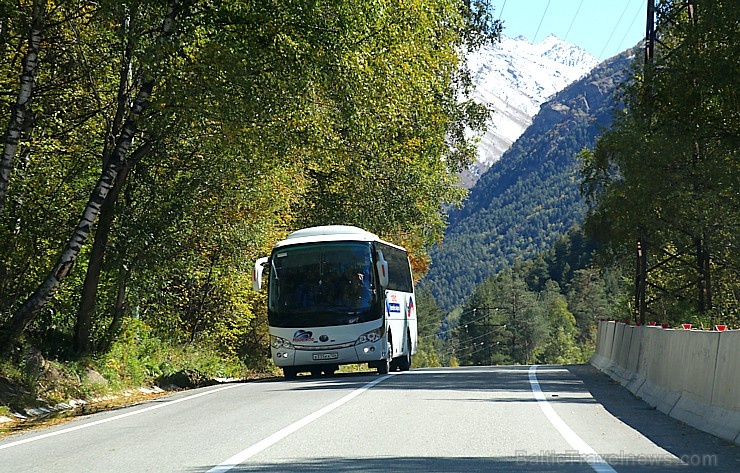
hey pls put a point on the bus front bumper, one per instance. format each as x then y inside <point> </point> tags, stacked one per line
<point>321,355</point>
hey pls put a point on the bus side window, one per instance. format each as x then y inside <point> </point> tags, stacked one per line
<point>399,275</point>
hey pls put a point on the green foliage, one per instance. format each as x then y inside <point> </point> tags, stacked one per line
<point>426,355</point>
<point>537,312</point>
<point>32,380</point>
<point>134,358</point>
<point>429,315</point>
<point>588,300</point>
<point>668,172</point>
<point>138,358</point>
<point>429,319</point>
<point>262,117</point>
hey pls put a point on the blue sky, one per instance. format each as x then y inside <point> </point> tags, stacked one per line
<point>601,27</point>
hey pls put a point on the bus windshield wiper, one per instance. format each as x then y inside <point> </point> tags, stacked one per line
<point>274,268</point>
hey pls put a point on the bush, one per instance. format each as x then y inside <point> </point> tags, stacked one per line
<point>139,358</point>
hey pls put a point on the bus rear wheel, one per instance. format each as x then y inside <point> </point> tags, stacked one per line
<point>404,362</point>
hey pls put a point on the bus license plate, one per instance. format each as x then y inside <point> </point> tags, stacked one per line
<point>325,356</point>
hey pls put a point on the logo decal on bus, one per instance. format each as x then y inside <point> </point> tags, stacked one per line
<point>410,309</point>
<point>395,307</point>
<point>303,336</point>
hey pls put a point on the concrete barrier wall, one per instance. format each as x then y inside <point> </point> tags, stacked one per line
<point>601,338</point>
<point>726,388</point>
<point>617,343</point>
<point>622,355</point>
<point>609,338</point>
<point>691,375</point>
<point>633,357</point>
<point>604,340</point>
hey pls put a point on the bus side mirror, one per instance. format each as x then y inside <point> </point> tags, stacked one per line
<point>257,273</point>
<point>382,265</point>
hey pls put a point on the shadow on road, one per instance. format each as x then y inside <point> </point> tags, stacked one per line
<point>521,464</point>
<point>698,450</point>
<point>683,441</point>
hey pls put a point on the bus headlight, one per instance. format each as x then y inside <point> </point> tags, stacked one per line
<point>278,343</point>
<point>369,337</point>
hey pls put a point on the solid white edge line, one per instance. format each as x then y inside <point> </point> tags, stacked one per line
<point>111,419</point>
<point>249,452</point>
<point>594,460</point>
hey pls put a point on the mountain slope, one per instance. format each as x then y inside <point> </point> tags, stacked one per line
<point>530,197</point>
<point>515,77</point>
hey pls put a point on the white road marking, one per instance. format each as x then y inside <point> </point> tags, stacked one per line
<point>111,419</point>
<point>592,458</point>
<point>247,453</point>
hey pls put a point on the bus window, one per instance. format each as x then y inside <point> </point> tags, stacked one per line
<point>322,284</point>
<point>399,272</point>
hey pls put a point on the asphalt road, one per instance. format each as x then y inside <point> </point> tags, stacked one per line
<point>509,419</point>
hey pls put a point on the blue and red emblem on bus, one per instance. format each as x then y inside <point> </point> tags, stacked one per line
<point>410,308</point>
<point>303,336</point>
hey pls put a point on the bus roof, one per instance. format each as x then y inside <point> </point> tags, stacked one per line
<point>329,233</point>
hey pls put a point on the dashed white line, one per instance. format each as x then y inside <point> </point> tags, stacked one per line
<point>249,452</point>
<point>594,460</point>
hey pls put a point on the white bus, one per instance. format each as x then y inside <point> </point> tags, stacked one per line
<point>338,295</point>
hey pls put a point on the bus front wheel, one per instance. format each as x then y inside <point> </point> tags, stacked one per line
<point>289,372</point>
<point>384,366</point>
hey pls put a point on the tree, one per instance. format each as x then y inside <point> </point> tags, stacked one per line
<point>561,346</point>
<point>525,320</point>
<point>429,320</point>
<point>227,116</point>
<point>502,323</point>
<point>21,117</point>
<point>667,173</point>
<point>394,140</point>
<point>588,302</point>
<point>480,331</point>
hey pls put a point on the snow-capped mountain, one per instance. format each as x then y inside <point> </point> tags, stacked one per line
<point>515,77</point>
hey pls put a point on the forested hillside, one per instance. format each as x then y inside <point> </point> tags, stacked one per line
<point>531,197</point>
<point>543,310</point>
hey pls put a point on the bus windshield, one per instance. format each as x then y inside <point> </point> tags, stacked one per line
<point>322,284</point>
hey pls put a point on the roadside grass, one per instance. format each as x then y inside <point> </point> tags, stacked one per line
<point>30,383</point>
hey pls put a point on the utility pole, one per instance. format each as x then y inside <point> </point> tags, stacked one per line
<point>483,330</point>
<point>650,32</point>
<point>703,256</point>
<point>641,245</point>
<point>641,279</point>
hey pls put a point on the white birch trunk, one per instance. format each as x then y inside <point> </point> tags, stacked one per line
<point>20,115</point>
<point>25,314</point>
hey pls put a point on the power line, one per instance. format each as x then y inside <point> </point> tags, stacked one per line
<point>634,18</point>
<point>534,40</point>
<point>572,21</point>
<point>484,335</point>
<point>502,10</point>
<point>448,328</point>
<point>614,29</point>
